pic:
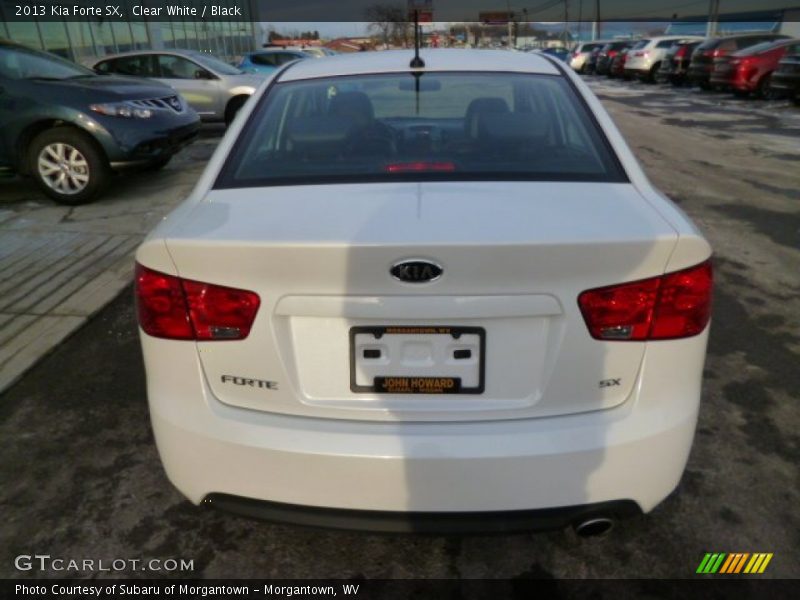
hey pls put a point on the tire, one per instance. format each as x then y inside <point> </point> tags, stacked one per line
<point>233,107</point>
<point>651,74</point>
<point>764,91</point>
<point>68,165</point>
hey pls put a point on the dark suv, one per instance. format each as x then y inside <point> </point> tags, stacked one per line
<point>69,128</point>
<point>703,57</point>
<point>785,80</point>
<point>676,62</point>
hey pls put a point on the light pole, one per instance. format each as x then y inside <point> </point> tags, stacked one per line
<point>713,16</point>
<point>596,22</point>
<point>510,24</point>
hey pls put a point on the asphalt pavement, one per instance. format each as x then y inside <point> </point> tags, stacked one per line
<point>80,475</point>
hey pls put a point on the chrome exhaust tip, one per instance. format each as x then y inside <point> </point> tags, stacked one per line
<point>593,527</point>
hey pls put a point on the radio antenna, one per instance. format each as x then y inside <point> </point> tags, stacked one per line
<point>416,62</point>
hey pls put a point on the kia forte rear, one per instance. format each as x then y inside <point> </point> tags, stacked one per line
<point>430,298</point>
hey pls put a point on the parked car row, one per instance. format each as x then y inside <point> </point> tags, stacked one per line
<point>762,64</point>
<point>70,127</point>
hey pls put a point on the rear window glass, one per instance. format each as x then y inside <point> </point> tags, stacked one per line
<point>709,45</point>
<point>435,126</point>
<point>758,48</point>
<point>640,44</point>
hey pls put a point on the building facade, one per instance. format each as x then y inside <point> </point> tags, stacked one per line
<point>84,40</point>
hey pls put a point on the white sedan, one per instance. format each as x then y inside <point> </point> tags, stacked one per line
<point>431,298</point>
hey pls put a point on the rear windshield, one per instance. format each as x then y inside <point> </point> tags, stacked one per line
<point>758,48</point>
<point>440,126</point>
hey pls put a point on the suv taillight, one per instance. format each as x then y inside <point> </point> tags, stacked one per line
<point>179,309</point>
<point>674,305</point>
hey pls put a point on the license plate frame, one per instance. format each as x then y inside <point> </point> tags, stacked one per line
<point>422,384</point>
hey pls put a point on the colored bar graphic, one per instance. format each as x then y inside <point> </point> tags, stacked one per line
<point>740,564</point>
<point>765,563</point>
<point>733,563</point>
<point>728,563</point>
<point>703,563</point>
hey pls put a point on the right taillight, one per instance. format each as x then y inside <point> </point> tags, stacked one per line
<point>674,305</point>
<point>173,308</point>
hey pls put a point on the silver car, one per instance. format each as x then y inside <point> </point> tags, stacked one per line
<point>214,89</point>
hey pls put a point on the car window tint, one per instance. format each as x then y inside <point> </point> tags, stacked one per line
<point>24,63</point>
<point>458,125</point>
<point>665,44</point>
<point>641,44</point>
<point>137,66</point>
<point>284,58</point>
<point>730,45</point>
<point>215,64</point>
<point>744,42</point>
<point>267,60</point>
<point>177,67</point>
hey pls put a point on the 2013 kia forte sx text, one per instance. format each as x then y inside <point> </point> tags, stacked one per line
<point>441,297</point>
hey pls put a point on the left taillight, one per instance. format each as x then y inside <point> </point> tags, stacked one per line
<point>179,309</point>
<point>674,305</point>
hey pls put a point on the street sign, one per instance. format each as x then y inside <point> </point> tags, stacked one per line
<point>424,9</point>
<point>496,17</point>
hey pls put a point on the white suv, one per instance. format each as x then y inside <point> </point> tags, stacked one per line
<point>644,58</point>
<point>581,52</point>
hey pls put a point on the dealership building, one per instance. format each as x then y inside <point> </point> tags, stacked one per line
<point>98,36</point>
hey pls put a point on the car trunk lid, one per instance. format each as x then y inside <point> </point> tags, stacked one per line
<point>515,257</point>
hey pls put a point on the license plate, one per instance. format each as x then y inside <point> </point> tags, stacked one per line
<point>417,359</point>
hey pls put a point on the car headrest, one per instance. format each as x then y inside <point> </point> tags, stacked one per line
<point>480,106</point>
<point>529,127</point>
<point>355,105</point>
<point>318,134</point>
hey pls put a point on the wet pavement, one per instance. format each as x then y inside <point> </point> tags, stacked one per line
<point>80,476</point>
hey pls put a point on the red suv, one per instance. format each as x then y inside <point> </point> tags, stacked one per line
<point>703,57</point>
<point>749,70</point>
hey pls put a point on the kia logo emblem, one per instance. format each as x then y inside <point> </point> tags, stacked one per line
<point>416,271</point>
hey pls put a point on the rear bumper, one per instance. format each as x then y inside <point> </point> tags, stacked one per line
<point>419,522</point>
<point>788,84</point>
<point>577,62</point>
<point>699,74</point>
<point>729,79</point>
<point>635,72</point>
<point>636,451</point>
